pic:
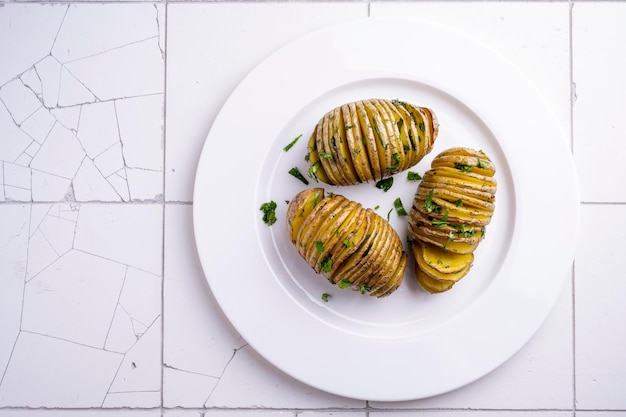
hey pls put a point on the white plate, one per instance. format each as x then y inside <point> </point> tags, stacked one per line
<point>412,344</point>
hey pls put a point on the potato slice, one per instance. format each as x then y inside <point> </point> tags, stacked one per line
<point>369,135</point>
<point>445,262</point>
<point>315,170</point>
<point>299,208</point>
<point>433,261</point>
<point>451,208</point>
<point>369,140</point>
<point>430,284</point>
<point>407,154</point>
<point>394,282</point>
<point>356,142</point>
<point>348,244</point>
<point>327,152</point>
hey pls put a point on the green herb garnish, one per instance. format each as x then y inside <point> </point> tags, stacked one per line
<point>364,288</point>
<point>326,264</point>
<point>458,202</point>
<point>396,158</point>
<point>344,283</point>
<point>326,297</point>
<point>450,239</point>
<point>429,205</point>
<point>413,176</point>
<point>293,142</point>
<point>443,221</point>
<point>313,169</point>
<point>462,167</point>
<point>346,242</point>
<point>397,203</point>
<point>319,246</point>
<point>385,184</point>
<point>296,173</point>
<point>326,155</point>
<point>269,212</point>
<point>481,164</point>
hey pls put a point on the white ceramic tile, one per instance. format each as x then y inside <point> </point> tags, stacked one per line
<point>600,310</point>
<point>201,74</point>
<point>477,413</point>
<point>227,413</point>
<point>78,413</point>
<point>533,36</point>
<point>201,347</point>
<point>540,372</point>
<point>599,63</point>
<point>134,234</point>
<point>71,94</point>
<point>14,227</point>
<point>82,325</point>
<point>332,414</point>
<point>44,370</point>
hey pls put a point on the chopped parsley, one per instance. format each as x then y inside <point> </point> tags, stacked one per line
<point>296,173</point>
<point>377,207</point>
<point>462,232</point>
<point>397,203</point>
<point>319,246</point>
<point>326,297</point>
<point>481,164</point>
<point>326,155</point>
<point>462,167</point>
<point>443,221</point>
<point>364,288</point>
<point>413,176</point>
<point>458,203</point>
<point>450,239</point>
<point>344,283</point>
<point>385,184</point>
<point>326,264</point>
<point>346,242</point>
<point>313,169</point>
<point>316,198</point>
<point>396,158</point>
<point>429,205</point>
<point>293,142</point>
<point>269,212</point>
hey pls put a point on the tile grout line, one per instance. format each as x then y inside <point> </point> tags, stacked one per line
<point>164,205</point>
<point>571,122</point>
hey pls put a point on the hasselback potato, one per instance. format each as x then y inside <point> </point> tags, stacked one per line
<point>452,207</point>
<point>350,245</point>
<point>369,140</point>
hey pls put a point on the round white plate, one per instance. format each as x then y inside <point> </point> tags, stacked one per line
<point>411,344</point>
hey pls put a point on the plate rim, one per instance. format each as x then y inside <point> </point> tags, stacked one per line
<point>287,364</point>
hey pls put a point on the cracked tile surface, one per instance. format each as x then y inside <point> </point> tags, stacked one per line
<point>104,309</point>
<point>81,105</point>
<point>81,326</point>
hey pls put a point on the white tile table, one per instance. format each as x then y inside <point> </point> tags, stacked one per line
<point>104,309</point>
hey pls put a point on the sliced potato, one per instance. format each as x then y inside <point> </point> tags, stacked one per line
<point>369,140</point>
<point>351,246</point>
<point>452,205</point>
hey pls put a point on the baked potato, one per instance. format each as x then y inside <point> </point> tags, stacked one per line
<point>451,209</point>
<point>369,140</point>
<point>351,246</point>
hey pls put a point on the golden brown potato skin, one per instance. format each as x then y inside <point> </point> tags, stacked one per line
<point>350,245</point>
<point>452,207</point>
<point>368,140</point>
